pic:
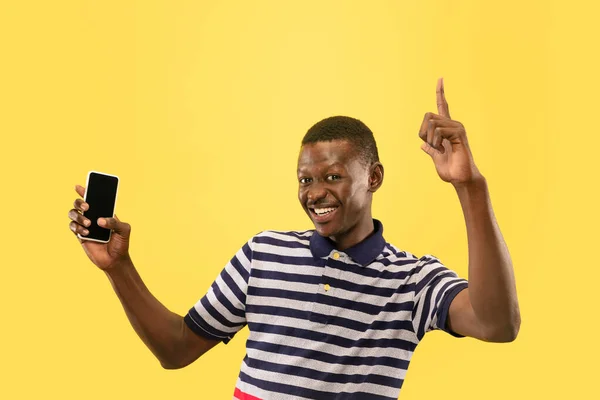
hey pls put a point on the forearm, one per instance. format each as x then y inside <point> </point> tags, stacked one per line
<point>492,288</point>
<point>159,328</point>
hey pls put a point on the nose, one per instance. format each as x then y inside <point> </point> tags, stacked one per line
<point>316,192</point>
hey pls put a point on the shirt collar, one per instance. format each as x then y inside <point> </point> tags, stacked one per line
<point>364,252</point>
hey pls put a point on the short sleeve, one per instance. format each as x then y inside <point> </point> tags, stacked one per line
<point>435,288</point>
<point>221,313</point>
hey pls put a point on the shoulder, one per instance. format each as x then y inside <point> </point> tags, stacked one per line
<point>288,239</point>
<point>397,256</point>
<point>391,251</point>
<point>289,236</point>
<point>408,263</point>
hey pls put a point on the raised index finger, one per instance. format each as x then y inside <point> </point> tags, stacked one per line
<point>442,104</point>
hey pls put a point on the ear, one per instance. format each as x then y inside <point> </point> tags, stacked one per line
<point>375,176</point>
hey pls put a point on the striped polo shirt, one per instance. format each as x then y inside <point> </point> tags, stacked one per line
<point>325,324</point>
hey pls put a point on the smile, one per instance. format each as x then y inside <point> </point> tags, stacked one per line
<point>322,214</point>
<point>324,211</point>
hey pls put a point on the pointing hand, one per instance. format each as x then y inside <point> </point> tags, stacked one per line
<point>445,140</point>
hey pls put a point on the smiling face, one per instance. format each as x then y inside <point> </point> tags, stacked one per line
<point>336,189</point>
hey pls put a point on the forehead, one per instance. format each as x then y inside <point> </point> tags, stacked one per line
<point>326,154</point>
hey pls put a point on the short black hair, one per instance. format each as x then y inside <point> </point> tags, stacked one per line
<point>345,128</point>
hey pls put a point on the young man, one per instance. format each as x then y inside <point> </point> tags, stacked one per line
<point>335,312</point>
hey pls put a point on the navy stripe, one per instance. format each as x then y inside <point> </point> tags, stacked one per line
<point>310,393</point>
<point>248,253</point>
<point>287,277</point>
<point>280,293</point>
<point>393,307</point>
<point>226,303</point>
<point>368,289</point>
<point>426,280</point>
<point>323,376</point>
<point>237,264</point>
<point>281,243</point>
<point>392,362</point>
<point>366,308</point>
<point>217,315</point>
<point>231,285</point>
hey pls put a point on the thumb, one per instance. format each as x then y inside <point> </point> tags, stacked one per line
<point>122,228</point>
<point>428,149</point>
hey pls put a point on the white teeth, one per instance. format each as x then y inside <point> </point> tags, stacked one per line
<point>323,211</point>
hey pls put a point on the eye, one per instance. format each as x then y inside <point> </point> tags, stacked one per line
<point>305,180</point>
<point>334,177</point>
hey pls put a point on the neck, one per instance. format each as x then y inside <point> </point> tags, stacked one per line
<point>354,235</point>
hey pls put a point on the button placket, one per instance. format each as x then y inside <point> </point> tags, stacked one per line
<point>321,311</point>
<point>332,273</point>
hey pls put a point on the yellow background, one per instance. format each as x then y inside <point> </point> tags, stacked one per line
<point>200,106</point>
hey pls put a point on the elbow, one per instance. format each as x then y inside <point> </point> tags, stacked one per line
<point>167,365</point>
<point>506,332</point>
<point>171,364</point>
<point>508,335</point>
<point>172,359</point>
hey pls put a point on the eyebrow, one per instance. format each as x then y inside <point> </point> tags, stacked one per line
<point>335,164</point>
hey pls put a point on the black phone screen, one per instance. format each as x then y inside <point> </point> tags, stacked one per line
<point>101,195</point>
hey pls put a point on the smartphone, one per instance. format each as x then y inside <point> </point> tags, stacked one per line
<point>101,197</point>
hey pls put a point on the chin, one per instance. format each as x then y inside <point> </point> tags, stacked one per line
<point>327,230</point>
<point>322,230</point>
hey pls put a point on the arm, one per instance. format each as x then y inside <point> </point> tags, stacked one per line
<point>163,331</point>
<point>488,309</point>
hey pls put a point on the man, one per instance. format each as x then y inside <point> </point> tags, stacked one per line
<point>335,312</point>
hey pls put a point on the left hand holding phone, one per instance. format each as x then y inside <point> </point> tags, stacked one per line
<point>103,255</point>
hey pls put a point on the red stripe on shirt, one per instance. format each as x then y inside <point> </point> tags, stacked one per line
<point>238,394</point>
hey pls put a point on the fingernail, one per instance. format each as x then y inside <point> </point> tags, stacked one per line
<point>85,232</point>
<point>87,222</point>
<point>101,222</point>
<point>84,207</point>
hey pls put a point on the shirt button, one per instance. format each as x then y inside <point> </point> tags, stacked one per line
<point>336,256</point>
<point>326,287</point>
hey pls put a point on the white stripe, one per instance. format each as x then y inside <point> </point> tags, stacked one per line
<point>283,251</point>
